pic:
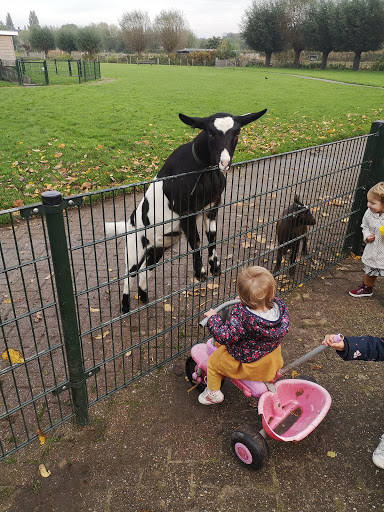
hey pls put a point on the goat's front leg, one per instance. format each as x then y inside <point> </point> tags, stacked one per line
<point>153,256</point>
<point>292,259</point>
<point>279,257</point>
<point>211,230</point>
<point>188,225</point>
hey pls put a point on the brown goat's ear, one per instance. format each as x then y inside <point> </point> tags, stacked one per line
<point>249,118</point>
<point>195,122</point>
<point>296,199</point>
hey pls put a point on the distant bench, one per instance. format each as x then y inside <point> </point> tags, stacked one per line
<point>146,62</point>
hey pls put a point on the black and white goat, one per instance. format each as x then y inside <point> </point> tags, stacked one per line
<point>170,206</point>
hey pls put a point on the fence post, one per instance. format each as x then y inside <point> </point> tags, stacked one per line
<point>79,70</point>
<point>372,171</point>
<point>46,72</point>
<point>19,71</point>
<point>53,206</point>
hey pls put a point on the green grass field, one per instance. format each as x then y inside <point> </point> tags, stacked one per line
<point>120,130</point>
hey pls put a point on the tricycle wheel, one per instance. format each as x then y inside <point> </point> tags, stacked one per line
<point>190,368</point>
<point>250,447</point>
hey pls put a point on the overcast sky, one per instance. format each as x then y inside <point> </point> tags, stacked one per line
<point>206,18</point>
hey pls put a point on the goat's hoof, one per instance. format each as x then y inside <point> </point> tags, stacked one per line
<point>216,271</point>
<point>125,303</point>
<point>143,295</point>
<point>202,276</point>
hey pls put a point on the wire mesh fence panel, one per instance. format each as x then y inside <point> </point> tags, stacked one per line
<point>165,323</point>
<point>129,345</point>
<point>32,73</point>
<point>54,71</point>
<point>32,359</point>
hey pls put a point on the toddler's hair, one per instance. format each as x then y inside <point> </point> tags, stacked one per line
<point>256,287</point>
<point>378,191</point>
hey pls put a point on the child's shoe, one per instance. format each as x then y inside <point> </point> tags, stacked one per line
<point>362,291</point>
<point>378,454</point>
<point>208,397</point>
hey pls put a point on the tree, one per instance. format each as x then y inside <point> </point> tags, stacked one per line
<point>171,29</point>
<point>293,28</point>
<point>9,22</point>
<point>317,28</point>
<point>112,37</point>
<point>66,38</point>
<point>358,26</point>
<point>213,43</point>
<point>226,49</point>
<point>24,41</point>
<point>3,26</point>
<point>137,30</point>
<point>89,40</point>
<point>261,28</point>
<point>33,19</point>
<point>42,39</point>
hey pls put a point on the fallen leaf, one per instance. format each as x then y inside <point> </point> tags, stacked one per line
<point>102,336</point>
<point>316,367</point>
<point>17,203</point>
<point>168,307</point>
<point>7,301</point>
<point>14,357</point>
<point>61,146</point>
<point>127,354</point>
<point>331,454</point>
<point>37,317</point>
<point>43,471</point>
<point>294,374</point>
<point>212,286</point>
<point>94,310</point>
<point>41,436</point>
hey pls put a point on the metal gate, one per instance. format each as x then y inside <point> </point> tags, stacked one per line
<point>64,342</point>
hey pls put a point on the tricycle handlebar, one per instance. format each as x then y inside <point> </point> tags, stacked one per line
<point>225,305</point>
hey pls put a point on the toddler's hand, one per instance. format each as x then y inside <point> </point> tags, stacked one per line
<point>328,341</point>
<point>210,313</point>
<point>370,238</point>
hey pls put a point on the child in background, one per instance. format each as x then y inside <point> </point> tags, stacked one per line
<point>373,255</point>
<point>250,339</point>
<point>364,348</point>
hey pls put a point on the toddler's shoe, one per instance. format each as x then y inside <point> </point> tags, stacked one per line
<point>378,454</point>
<point>362,291</point>
<point>208,397</point>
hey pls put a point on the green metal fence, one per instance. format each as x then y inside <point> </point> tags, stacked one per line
<point>64,342</point>
<point>44,72</point>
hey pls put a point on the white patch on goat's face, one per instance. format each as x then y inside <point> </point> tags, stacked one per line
<point>223,124</point>
<point>225,160</point>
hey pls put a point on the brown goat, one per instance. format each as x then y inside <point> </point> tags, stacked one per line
<point>294,224</point>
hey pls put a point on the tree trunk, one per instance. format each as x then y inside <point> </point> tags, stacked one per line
<point>356,61</point>
<point>268,56</point>
<point>324,60</point>
<point>297,58</point>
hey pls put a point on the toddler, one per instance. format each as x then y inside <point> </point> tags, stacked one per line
<point>364,348</point>
<point>373,255</point>
<point>250,339</point>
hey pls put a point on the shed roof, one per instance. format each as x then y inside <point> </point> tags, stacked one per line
<point>9,33</point>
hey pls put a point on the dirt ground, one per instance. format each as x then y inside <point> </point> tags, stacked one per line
<point>152,447</point>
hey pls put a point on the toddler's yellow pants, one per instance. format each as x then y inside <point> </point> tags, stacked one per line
<point>221,363</point>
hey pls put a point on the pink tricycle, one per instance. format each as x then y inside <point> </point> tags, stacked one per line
<point>290,408</point>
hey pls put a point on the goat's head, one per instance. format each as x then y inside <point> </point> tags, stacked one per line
<point>304,213</point>
<point>223,133</point>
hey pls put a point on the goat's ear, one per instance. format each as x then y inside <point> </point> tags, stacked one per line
<point>195,122</point>
<point>249,118</point>
<point>296,199</point>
